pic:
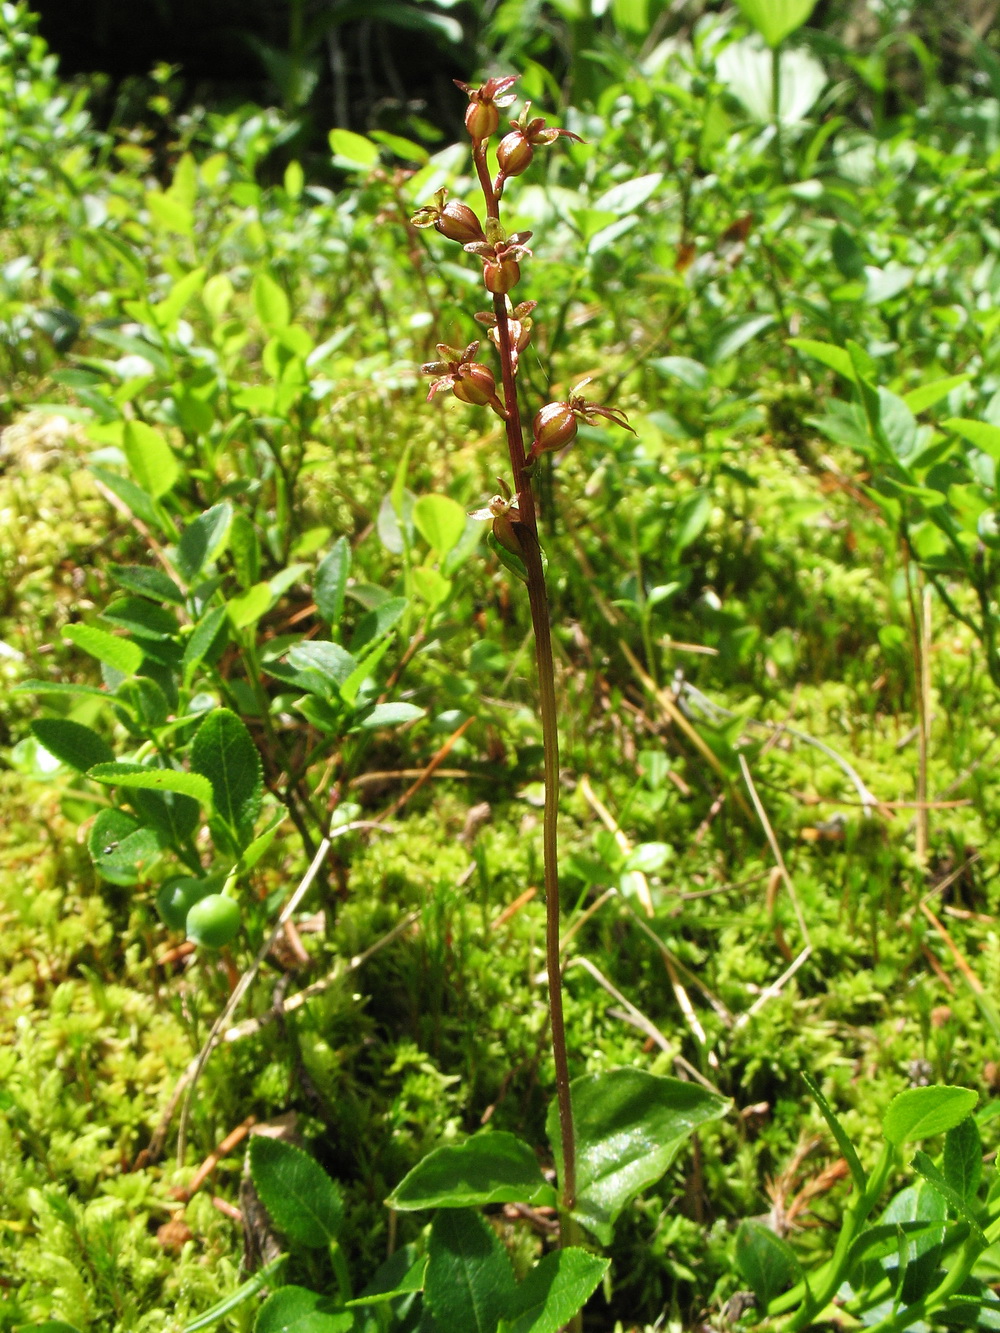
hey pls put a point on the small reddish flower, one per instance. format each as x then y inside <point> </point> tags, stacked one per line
<point>519,323</point>
<point>454,220</point>
<point>504,511</point>
<point>482,116</point>
<point>501,255</point>
<point>470,381</point>
<point>556,424</point>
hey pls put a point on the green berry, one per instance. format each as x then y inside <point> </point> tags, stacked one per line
<point>176,898</point>
<point>213,921</point>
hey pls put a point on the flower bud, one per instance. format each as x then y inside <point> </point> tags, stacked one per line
<point>475,384</point>
<point>482,119</point>
<point>501,275</point>
<point>514,153</point>
<point>458,222</point>
<point>554,426</point>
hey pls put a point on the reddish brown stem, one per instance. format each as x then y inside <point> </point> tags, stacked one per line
<point>539,604</point>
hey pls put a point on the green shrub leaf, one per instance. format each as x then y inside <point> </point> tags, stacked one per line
<point>152,461</point>
<point>154,779</point>
<point>629,1127</point>
<point>918,1113</point>
<point>765,1262</point>
<point>491,1167</point>
<point>557,1287</point>
<point>298,1310</point>
<point>72,743</point>
<point>121,654</point>
<point>301,1198</point>
<point>331,582</point>
<point>223,752</point>
<point>470,1282</point>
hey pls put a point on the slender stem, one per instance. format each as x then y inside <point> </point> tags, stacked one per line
<point>539,605</point>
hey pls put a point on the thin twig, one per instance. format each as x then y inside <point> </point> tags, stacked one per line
<point>775,988</point>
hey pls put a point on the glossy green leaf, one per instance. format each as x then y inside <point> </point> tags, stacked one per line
<point>202,540</point>
<point>557,1287</point>
<point>294,1309</point>
<point>203,637</point>
<point>490,1167</point>
<point>983,434</point>
<point>469,1282</point>
<point>121,850</point>
<point>390,715</point>
<point>154,779</point>
<point>223,752</point>
<point>72,743</point>
<point>147,581</point>
<point>836,358</point>
<point>377,622</point>
<point>963,1158</point>
<point>151,460</point>
<point>629,1127</point>
<point>918,1113</point>
<point>440,521</point>
<point>121,654</point>
<point>776,19</point>
<point>334,664</point>
<point>765,1262</point>
<point>919,400</point>
<point>134,497</point>
<point>244,547</point>
<point>300,1197</point>
<point>331,582</point>
<point>248,608</point>
<point>142,618</point>
<point>925,1167</point>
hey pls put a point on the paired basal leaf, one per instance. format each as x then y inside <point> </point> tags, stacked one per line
<point>491,1167</point>
<point>301,1198</point>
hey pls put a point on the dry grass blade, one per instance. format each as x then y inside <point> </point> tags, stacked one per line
<point>622,842</point>
<point>775,849</point>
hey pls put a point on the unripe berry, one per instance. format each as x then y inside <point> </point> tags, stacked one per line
<point>514,153</point>
<point>554,426</point>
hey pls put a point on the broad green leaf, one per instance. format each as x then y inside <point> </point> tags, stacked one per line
<point>152,461</point>
<point>839,1133</point>
<point>390,715</point>
<point>898,423</point>
<point>377,622</point>
<point>169,214</point>
<point>270,303</point>
<point>302,1200</point>
<point>154,779</point>
<point>168,311</point>
<point>147,582</point>
<point>830,355</point>
<point>402,148</point>
<point>692,374</point>
<point>963,1158</point>
<point>248,608</point>
<point>402,1273</point>
<point>62,687</point>
<point>491,1167</point>
<point>918,1113</point>
<point>982,434</point>
<point>511,562</point>
<point>294,1309</point>
<point>72,743</point>
<point>223,752</point>
<point>630,195</point>
<point>431,586</point>
<point>919,400</point>
<point>331,582</point>
<point>353,150</point>
<point>469,1282</point>
<point>764,1261</point>
<point>122,850</point>
<point>142,618</point>
<point>131,495</point>
<point>629,1127</point>
<point>202,638</point>
<point>351,686</point>
<point>557,1287</point>
<point>776,19</point>
<point>690,518</point>
<point>202,540</point>
<point>121,654</point>
<point>261,843</point>
<point>440,521</point>
<point>334,664</point>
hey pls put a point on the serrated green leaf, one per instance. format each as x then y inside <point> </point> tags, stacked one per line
<point>302,1200</point>
<point>469,1282</point>
<point>765,1262</point>
<point>142,618</point>
<point>154,779</point>
<point>202,540</point>
<point>147,582</point>
<point>294,1309</point>
<point>72,743</point>
<point>202,638</point>
<point>121,654</point>
<point>924,1165</point>
<point>557,1287</point>
<point>331,582</point>
<point>224,753</point>
<point>963,1158</point>
<point>491,1167</point>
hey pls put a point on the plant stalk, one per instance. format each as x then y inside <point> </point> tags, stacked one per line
<point>539,604</point>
